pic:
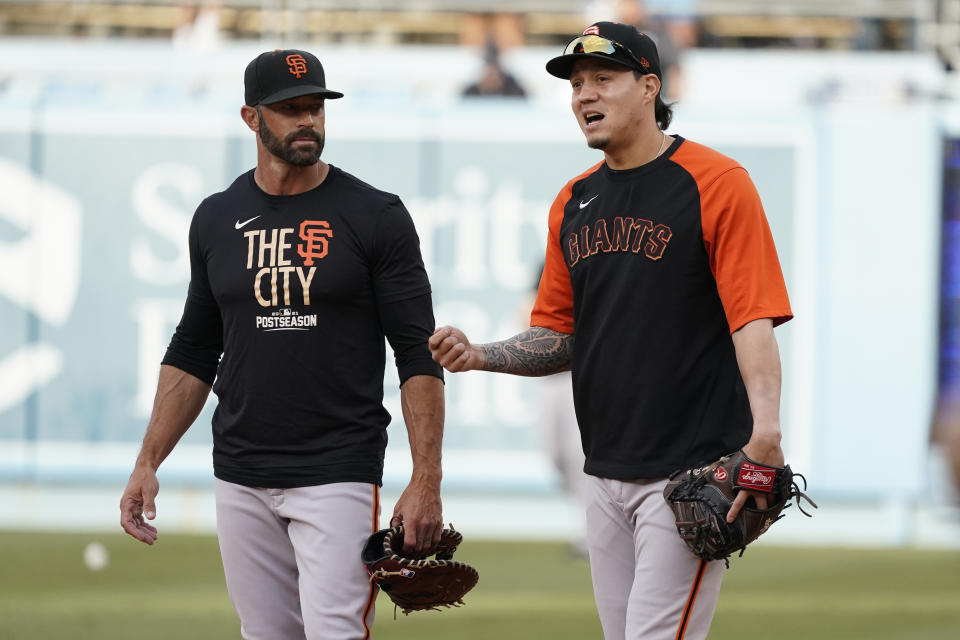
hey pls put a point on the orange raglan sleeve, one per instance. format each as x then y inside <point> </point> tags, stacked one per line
<point>742,254</point>
<point>554,306</point>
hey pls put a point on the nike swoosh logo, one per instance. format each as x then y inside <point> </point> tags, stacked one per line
<point>582,203</point>
<point>241,225</point>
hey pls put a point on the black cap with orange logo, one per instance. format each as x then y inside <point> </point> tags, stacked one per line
<point>620,43</point>
<point>279,75</point>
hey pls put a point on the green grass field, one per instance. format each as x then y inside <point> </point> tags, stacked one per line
<point>526,590</point>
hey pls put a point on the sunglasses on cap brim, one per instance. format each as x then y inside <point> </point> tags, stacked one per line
<point>597,44</point>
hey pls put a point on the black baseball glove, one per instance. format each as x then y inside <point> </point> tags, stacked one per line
<point>418,583</point>
<point>700,499</point>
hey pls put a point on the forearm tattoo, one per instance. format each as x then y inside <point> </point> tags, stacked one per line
<point>535,352</point>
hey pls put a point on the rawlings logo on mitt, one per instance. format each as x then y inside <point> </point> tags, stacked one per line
<point>700,499</point>
<point>418,583</point>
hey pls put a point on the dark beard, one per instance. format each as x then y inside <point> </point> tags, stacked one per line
<point>599,144</point>
<point>284,150</point>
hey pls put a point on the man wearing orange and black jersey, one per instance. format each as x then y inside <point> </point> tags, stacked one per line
<point>660,291</point>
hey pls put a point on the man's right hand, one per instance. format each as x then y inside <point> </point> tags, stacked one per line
<point>138,502</point>
<point>450,348</point>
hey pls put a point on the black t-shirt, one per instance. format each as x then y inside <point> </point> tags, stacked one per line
<point>297,293</point>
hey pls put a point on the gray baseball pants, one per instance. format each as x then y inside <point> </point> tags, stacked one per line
<point>291,558</point>
<point>647,583</point>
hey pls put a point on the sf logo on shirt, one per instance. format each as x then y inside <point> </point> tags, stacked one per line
<point>269,251</point>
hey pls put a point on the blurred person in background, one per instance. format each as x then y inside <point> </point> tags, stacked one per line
<point>946,430</point>
<point>494,80</point>
<point>559,432</point>
<point>635,13</point>
<point>680,20</point>
<point>298,271</point>
<point>945,427</point>
<point>953,452</point>
<point>660,293</point>
<point>198,26</point>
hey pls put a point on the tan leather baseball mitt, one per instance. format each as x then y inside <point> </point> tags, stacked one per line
<point>418,583</point>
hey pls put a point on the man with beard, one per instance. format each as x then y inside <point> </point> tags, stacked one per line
<point>298,271</point>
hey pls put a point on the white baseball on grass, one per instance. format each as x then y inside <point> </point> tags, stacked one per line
<point>96,556</point>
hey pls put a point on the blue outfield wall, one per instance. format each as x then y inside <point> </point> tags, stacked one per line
<point>102,166</point>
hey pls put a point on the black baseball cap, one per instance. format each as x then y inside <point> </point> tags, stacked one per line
<point>620,43</point>
<point>279,75</point>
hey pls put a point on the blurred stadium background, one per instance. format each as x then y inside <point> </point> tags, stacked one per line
<point>118,116</point>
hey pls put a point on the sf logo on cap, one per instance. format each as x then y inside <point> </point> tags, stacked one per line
<point>297,65</point>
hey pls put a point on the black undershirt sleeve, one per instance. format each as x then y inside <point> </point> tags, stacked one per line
<point>408,324</point>
<point>197,344</point>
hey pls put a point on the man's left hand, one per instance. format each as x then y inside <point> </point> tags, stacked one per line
<point>764,451</point>
<point>420,511</point>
